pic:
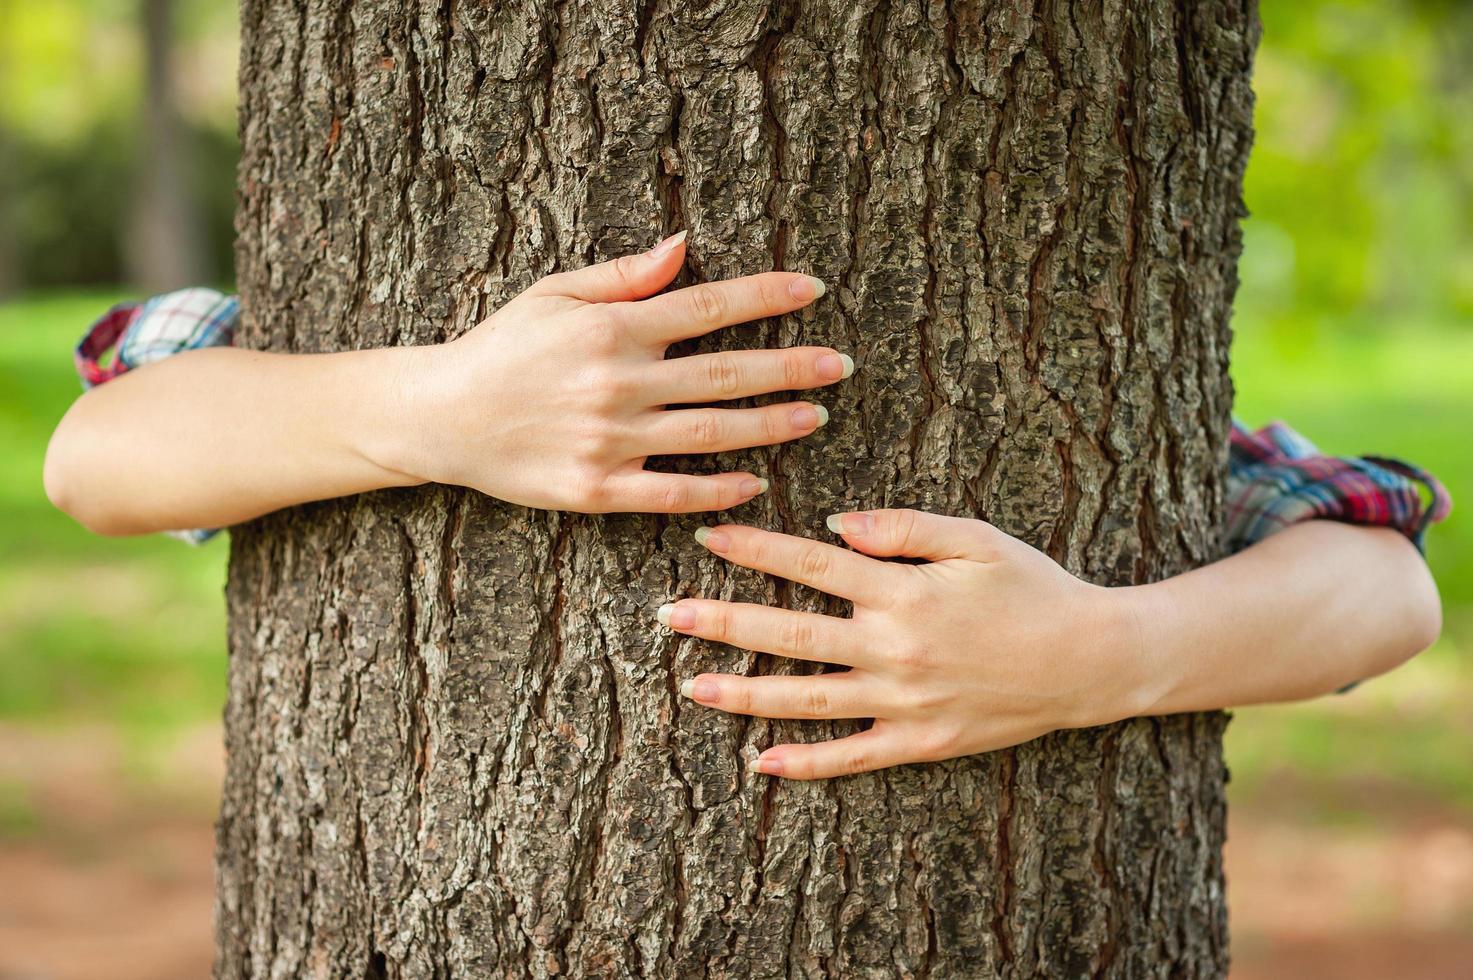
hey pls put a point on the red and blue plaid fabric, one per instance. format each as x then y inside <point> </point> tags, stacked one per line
<point>131,335</point>
<point>1277,477</point>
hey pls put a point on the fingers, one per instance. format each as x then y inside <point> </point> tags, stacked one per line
<point>800,636</point>
<point>918,534</point>
<point>715,430</point>
<point>843,695</point>
<point>741,374</point>
<point>874,748</point>
<point>629,277</point>
<point>642,491</point>
<point>822,566</point>
<point>708,306</point>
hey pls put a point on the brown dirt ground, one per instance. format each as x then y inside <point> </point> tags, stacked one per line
<point>105,873</point>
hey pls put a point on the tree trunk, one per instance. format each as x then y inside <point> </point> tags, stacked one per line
<point>163,240</point>
<point>456,747</point>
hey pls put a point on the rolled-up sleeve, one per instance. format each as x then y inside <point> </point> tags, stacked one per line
<point>130,335</point>
<point>1278,478</point>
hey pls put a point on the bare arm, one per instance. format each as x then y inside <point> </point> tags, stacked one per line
<point>213,437</point>
<point>555,401</point>
<point>1315,607</point>
<point>991,643</point>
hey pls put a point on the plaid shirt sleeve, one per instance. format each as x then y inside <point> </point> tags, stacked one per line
<point>1277,478</point>
<point>131,335</point>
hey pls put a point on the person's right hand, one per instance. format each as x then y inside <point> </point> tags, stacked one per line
<point>559,397</point>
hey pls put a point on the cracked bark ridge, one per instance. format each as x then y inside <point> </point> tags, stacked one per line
<point>455,743</point>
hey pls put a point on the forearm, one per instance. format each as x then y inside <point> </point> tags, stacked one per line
<point>214,437</point>
<point>1303,613</point>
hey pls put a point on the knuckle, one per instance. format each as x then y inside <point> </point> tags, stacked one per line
<point>772,426</point>
<point>766,294</point>
<point>795,370</point>
<point>706,429</point>
<point>602,334</point>
<point>708,304</point>
<point>906,597</point>
<point>724,375</point>
<point>903,526</point>
<point>590,493</point>
<point>857,762</point>
<point>922,700</point>
<point>608,388</point>
<point>719,619</point>
<point>624,268</point>
<point>742,700</point>
<point>911,658</point>
<point>815,563</point>
<point>938,743</point>
<point>816,702</point>
<point>796,636</point>
<point>673,498</point>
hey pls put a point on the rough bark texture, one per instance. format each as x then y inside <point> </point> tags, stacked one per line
<point>455,743</point>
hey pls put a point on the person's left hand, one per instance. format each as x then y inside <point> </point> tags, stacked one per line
<point>987,645</point>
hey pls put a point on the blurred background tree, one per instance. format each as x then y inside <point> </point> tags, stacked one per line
<point>119,118</point>
<point>1351,845</point>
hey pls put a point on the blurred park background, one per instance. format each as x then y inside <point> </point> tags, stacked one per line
<point>1351,849</point>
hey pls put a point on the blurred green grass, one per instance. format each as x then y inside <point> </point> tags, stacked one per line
<point>131,632</point>
<point>128,630</point>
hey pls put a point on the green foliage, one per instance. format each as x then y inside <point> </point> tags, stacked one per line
<point>128,630</point>
<point>1353,325</point>
<point>70,132</point>
<point>1361,179</point>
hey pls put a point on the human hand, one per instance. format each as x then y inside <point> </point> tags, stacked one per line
<point>989,644</point>
<point>558,398</point>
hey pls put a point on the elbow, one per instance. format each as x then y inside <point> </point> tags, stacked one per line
<point>64,477</point>
<point>1424,615</point>
<point>58,476</point>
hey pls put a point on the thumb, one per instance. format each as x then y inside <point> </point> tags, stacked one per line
<point>628,277</point>
<point>917,534</point>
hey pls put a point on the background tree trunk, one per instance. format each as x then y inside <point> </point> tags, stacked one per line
<point>455,743</point>
<point>164,239</point>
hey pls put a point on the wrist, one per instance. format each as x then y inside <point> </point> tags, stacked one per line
<point>1135,670</point>
<point>389,395</point>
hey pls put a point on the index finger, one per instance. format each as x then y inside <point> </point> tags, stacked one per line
<point>825,567</point>
<point>700,309</point>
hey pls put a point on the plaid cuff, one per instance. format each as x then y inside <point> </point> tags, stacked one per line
<point>131,335</point>
<point>1278,478</point>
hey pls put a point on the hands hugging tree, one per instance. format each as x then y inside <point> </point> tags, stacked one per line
<point>570,380</point>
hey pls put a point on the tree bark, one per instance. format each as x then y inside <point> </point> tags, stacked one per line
<point>455,742</point>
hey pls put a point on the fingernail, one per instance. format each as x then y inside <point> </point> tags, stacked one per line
<point>676,617</point>
<point>806,417</point>
<point>823,415</point>
<point>751,488</point>
<point>806,289</point>
<point>768,767</point>
<point>835,367</point>
<point>712,540</point>
<point>850,523</point>
<point>667,246</point>
<point>702,690</point>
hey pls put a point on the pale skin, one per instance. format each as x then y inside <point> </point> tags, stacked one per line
<point>555,401</point>
<point>558,400</point>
